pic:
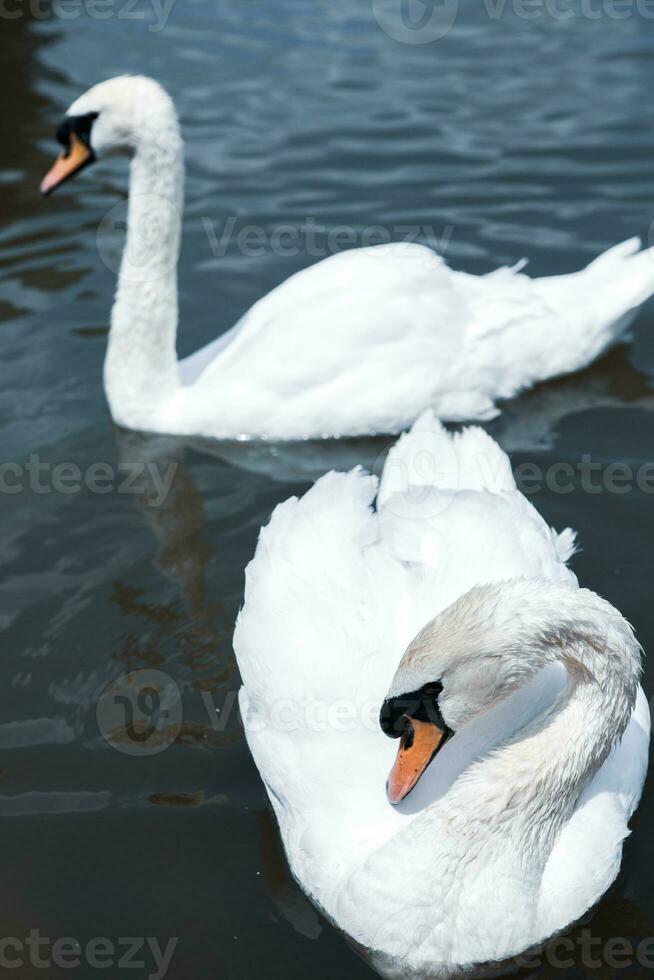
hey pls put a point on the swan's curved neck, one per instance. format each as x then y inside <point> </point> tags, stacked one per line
<point>141,362</point>
<point>527,788</point>
<point>481,847</point>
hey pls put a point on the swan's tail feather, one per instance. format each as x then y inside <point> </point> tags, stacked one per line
<point>623,250</point>
<point>566,544</point>
<point>624,277</point>
<point>429,458</point>
<point>435,491</point>
<point>603,298</point>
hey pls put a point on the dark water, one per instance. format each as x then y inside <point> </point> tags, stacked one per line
<point>507,137</point>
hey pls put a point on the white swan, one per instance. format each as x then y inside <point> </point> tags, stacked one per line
<point>359,343</point>
<point>525,685</point>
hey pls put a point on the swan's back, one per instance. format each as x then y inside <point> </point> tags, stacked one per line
<point>335,592</point>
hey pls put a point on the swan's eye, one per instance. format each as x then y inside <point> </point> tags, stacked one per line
<point>80,126</point>
<point>433,690</point>
<point>421,705</point>
<point>428,708</point>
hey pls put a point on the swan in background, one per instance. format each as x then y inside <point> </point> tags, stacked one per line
<point>523,732</point>
<point>359,343</point>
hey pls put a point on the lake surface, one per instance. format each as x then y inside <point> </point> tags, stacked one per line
<point>508,136</point>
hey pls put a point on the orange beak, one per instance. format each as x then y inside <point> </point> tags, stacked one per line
<point>68,163</point>
<point>418,745</point>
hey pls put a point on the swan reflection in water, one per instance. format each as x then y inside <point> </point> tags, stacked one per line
<point>173,511</point>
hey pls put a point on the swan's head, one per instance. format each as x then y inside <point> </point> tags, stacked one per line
<point>125,113</point>
<point>479,650</point>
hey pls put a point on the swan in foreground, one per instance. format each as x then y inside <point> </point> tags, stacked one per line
<point>359,343</point>
<point>494,816</point>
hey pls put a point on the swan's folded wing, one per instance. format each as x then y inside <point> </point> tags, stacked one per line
<point>365,339</point>
<point>316,644</point>
<point>359,342</point>
<point>304,591</point>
